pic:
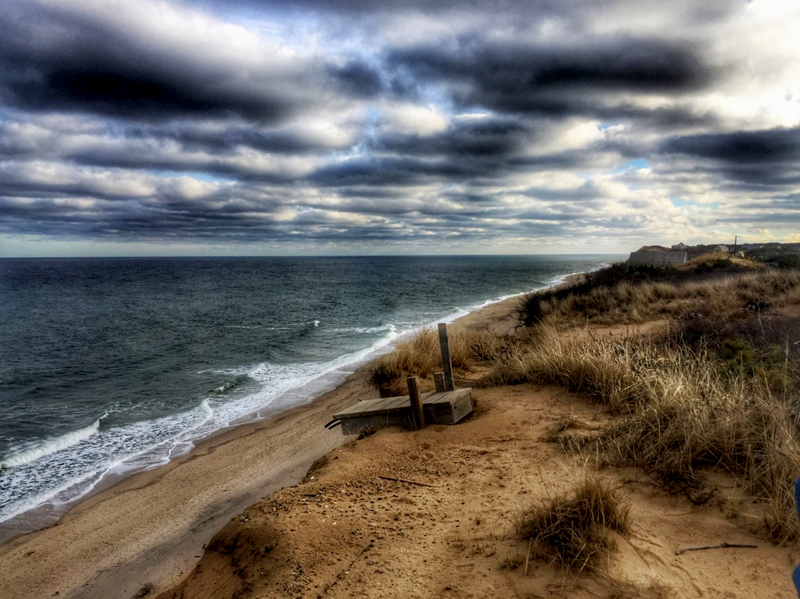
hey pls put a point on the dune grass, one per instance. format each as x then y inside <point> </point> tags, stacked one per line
<point>678,412</point>
<point>573,530</point>
<point>614,297</point>
<point>421,356</point>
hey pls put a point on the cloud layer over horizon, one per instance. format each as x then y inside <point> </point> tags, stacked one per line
<point>359,126</point>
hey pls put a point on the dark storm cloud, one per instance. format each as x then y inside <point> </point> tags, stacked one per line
<point>387,171</point>
<point>357,78</point>
<point>489,137</point>
<point>224,136</point>
<point>750,159</point>
<point>410,170</point>
<point>555,81</point>
<point>164,213</point>
<point>52,60</point>
<point>468,150</point>
<point>586,192</point>
<point>216,166</point>
<point>741,147</point>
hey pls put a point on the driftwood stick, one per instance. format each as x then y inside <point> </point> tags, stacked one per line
<point>720,546</point>
<point>527,557</point>
<point>402,480</point>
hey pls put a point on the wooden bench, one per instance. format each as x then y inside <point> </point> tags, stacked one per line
<point>447,407</point>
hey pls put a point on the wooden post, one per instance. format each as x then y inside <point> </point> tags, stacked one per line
<point>417,415</point>
<point>447,364</point>
<point>438,381</point>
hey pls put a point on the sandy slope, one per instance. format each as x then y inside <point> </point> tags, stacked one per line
<point>347,532</point>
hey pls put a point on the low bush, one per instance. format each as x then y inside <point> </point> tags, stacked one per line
<point>617,296</point>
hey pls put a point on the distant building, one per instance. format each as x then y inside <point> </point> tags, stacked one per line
<point>722,248</point>
<point>657,259</point>
<point>679,246</point>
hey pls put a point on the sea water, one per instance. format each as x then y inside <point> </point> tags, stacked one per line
<point>112,366</point>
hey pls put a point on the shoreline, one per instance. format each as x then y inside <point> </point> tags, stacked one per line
<point>49,512</point>
<point>151,526</point>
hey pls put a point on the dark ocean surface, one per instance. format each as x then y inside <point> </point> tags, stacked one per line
<point>110,366</point>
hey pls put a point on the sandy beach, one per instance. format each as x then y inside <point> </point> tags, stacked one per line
<point>151,527</point>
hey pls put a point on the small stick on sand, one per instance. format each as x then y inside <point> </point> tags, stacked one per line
<point>720,546</point>
<point>527,557</point>
<point>402,480</point>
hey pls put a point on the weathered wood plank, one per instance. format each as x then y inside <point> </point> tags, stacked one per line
<point>357,409</point>
<point>417,414</point>
<point>372,406</point>
<point>438,408</point>
<point>447,363</point>
<point>438,381</point>
<point>398,402</point>
<point>449,396</point>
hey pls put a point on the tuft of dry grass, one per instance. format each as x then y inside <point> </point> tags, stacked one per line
<point>572,531</point>
<point>144,591</point>
<point>679,411</point>
<point>421,356</point>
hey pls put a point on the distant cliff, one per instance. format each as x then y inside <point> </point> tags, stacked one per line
<point>658,258</point>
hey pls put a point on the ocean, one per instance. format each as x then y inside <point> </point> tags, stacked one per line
<point>113,366</point>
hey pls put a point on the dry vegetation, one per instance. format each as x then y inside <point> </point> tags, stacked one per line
<point>420,356</point>
<point>679,411</point>
<point>619,298</point>
<point>574,532</point>
<point>716,389</point>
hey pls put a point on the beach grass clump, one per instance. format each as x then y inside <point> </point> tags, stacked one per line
<point>573,531</point>
<point>679,412</point>
<point>421,356</point>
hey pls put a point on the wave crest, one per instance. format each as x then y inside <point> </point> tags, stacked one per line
<point>52,445</point>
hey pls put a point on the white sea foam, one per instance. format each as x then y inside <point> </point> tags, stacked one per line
<point>52,445</point>
<point>74,468</point>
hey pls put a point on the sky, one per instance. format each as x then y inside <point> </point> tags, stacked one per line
<point>336,127</point>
